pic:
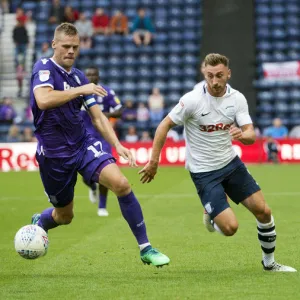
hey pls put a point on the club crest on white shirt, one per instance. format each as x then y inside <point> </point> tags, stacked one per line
<point>44,75</point>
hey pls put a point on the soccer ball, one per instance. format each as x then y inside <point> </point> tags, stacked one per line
<point>31,242</point>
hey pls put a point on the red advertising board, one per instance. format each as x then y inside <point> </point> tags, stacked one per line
<point>21,156</point>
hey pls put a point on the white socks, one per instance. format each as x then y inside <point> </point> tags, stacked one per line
<point>267,239</point>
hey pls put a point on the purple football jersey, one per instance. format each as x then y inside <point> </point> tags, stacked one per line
<point>108,103</point>
<point>60,131</point>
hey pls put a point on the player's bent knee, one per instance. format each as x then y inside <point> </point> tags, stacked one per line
<point>230,229</point>
<point>264,215</point>
<point>122,187</point>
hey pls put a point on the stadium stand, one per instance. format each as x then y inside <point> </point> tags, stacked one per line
<point>277,40</point>
<point>170,62</point>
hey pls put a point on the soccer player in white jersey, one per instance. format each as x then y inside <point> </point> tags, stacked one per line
<point>208,116</point>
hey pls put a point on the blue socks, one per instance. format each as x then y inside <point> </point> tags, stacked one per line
<point>102,201</point>
<point>46,220</point>
<point>132,213</point>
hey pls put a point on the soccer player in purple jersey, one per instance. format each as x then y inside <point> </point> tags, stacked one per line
<point>112,108</point>
<point>65,147</point>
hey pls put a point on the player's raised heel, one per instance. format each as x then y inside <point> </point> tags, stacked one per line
<point>35,218</point>
<point>207,222</point>
<point>93,196</point>
<point>276,267</point>
<point>152,256</point>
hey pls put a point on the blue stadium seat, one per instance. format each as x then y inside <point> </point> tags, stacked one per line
<point>294,44</point>
<point>129,60</point>
<point>264,57</point>
<point>144,86</point>
<point>188,85</point>
<point>190,72</point>
<point>190,59</point>
<point>100,62</point>
<point>114,74</point>
<point>262,9</point>
<point>293,55</point>
<point>146,60</point>
<point>263,33</point>
<point>293,32</point>
<point>131,48</point>
<point>277,9</point>
<point>264,45</point>
<point>265,107</point>
<point>116,61</point>
<point>175,12</point>
<point>265,96</point>
<point>175,48</point>
<point>279,45</point>
<point>191,48</point>
<point>278,33</point>
<point>295,107</point>
<point>88,5</point>
<point>281,95</point>
<point>142,97</point>
<point>129,72</point>
<point>292,8</point>
<point>262,21</point>
<point>292,20</point>
<point>160,72</point>
<point>129,86</point>
<point>174,96</point>
<point>295,94</point>
<point>175,72</point>
<point>144,72</point>
<point>175,36</point>
<point>162,85</point>
<point>175,59</point>
<point>161,37</point>
<point>277,21</point>
<point>29,5</point>
<point>279,56</point>
<point>281,107</point>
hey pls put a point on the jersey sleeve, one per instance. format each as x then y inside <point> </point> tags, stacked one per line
<point>182,111</point>
<point>88,100</point>
<point>114,101</point>
<point>242,114</point>
<point>43,75</point>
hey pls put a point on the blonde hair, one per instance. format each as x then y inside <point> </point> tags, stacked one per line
<point>66,28</point>
<point>214,59</point>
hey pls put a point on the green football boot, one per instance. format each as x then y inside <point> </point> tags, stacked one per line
<point>152,256</point>
<point>35,218</point>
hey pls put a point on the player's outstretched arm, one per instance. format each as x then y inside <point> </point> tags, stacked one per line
<point>245,134</point>
<point>47,98</point>
<point>150,169</point>
<point>102,124</point>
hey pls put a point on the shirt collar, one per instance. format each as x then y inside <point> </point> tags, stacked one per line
<point>63,69</point>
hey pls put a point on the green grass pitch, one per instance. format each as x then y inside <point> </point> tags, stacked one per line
<point>97,258</point>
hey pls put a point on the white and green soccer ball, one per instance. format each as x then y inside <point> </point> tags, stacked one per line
<point>31,241</point>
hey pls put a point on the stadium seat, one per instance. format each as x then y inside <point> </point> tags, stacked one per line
<point>265,107</point>
<point>281,107</point>
<point>295,94</point>
<point>265,96</point>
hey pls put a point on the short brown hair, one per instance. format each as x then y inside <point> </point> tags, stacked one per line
<point>66,28</point>
<point>214,59</point>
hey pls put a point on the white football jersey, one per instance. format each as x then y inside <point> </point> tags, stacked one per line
<point>200,85</point>
<point>206,121</point>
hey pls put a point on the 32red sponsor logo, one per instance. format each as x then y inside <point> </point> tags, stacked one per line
<point>216,127</point>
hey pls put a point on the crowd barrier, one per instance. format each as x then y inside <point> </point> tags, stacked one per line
<point>21,156</point>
